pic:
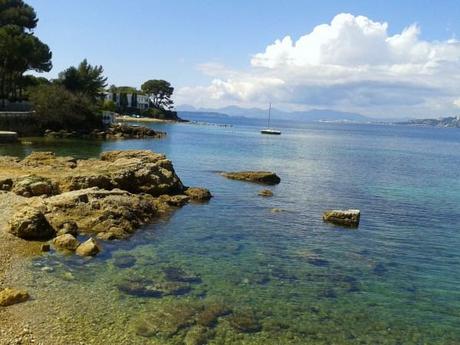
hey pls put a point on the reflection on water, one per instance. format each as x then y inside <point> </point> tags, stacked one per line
<point>233,272</point>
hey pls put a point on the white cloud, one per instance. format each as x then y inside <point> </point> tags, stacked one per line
<point>351,64</point>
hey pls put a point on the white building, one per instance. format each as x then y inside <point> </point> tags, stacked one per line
<point>134,100</point>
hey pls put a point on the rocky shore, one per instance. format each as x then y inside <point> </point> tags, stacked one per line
<point>64,204</point>
<point>115,131</point>
<point>108,198</point>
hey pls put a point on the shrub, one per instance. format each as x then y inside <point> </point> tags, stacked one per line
<point>57,108</point>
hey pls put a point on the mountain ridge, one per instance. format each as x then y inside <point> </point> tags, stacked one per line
<point>308,116</point>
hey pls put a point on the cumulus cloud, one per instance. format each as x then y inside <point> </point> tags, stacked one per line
<point>350,64</point>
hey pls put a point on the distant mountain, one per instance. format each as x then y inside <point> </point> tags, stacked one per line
<point>307,116</point>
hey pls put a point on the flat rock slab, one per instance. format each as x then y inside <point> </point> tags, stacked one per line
<point>349,218</point>
<point>262,177</point>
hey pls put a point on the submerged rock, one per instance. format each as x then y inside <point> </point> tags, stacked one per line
<point>88,248</point>
<point>124,261</point>
<point>348,218</point>
<point>177,274</point>
<point>211,312</point>
<point>10,296</point>
<point>245,322</point>
<point>139,287</point>
<point>262,177</point>
<point>198,194</point>
<point>30,223</point>
<point>379,269</point>
<point>265,193</point>
<point>166,321</point>
<point>197,335</point>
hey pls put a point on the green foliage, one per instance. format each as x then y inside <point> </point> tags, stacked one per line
<point>109,105</point>
<point>85,79</point>
<point>124,89</point>
<point>20,50</point>
<point>160,92</point>
<point>160,114</point>
<point>17,13</point>
<point>153,112</point>
<point>57,108</point>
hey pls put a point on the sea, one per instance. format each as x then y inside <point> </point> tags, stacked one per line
<point>255,270</point>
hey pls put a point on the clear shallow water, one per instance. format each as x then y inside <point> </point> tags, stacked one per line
<point>297,280</point>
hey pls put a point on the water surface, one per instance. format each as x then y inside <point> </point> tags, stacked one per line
<point>287,277</point>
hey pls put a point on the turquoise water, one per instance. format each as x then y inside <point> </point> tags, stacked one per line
<point>284,277</point>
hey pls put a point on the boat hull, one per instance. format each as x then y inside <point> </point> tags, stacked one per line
<point>270,131</point>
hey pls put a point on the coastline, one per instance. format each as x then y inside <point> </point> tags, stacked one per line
<point>126,118</point>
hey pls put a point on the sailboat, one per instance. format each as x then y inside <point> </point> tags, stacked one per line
<point>269,130</point>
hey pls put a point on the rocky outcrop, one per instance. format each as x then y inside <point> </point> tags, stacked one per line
<point>10,296</point>
<point>262,177</point>
<point>136,171</point>
<point>108,198</point>
<point>198,194</point>
<point>349,218</point>
<point>115,131</point>
<point>29,223</point>
<point>265,193</point>
<point>113,214</point>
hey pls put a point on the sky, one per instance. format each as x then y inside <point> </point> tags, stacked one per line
<point>393,58</point>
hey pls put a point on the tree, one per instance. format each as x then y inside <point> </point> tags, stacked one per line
<point>57,108</point>
<point>85,79</point>
<point>109,105</point>
<point>20,50</point>
<point>160,92</point>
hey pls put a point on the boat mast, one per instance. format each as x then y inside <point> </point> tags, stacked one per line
<point>269,111</point>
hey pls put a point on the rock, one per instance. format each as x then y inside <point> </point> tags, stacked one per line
<point>33,185</point>
<point>175,200</point>
<point>88,248</point>
<point>265,193</point>
<point>124,261</point>
<point>66,242</point>
<point>348,218</point>
<point>113,214</point>
<point>198,194</point>
<point>177,274</point>
<point>276,210</point>
<point>117,131</point>
<point>68,227</point>
<point>139,287</point>
<point>29,223</point>
<point>135,171</point>
<point>245,322</point>
<point>209,315</point>
<point>6,184</point>
<point>12,296</point>
<point>45,247</point>
<point>262,177</point>
<point>108,198</point>
<point>197,335</point>
<point>167,320</point>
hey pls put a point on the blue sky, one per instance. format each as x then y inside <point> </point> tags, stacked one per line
<point>194,43</point>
